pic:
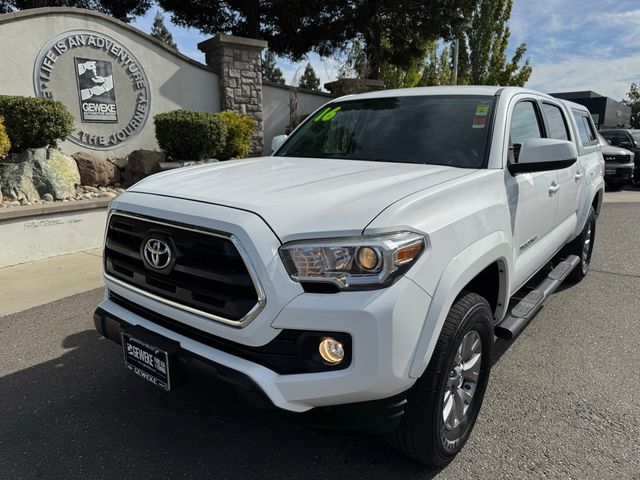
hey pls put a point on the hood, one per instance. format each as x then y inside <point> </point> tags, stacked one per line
<point>302,197</point>
<point>611,150</point>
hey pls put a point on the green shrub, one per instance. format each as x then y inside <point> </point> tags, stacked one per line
<point>240,133</point>
<point>34,122</point>
<point>187,135</point>
<point>5,144</point>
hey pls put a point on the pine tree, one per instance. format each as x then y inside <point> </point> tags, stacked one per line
<point>309,79</point>
<point>270,72</point>
<point>160,31</point>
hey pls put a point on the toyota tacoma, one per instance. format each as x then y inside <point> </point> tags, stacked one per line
<point>358,276</point>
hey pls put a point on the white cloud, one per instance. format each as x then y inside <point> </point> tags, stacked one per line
<point>606,76</point>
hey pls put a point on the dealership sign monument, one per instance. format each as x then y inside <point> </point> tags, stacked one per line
<point>99,81</point>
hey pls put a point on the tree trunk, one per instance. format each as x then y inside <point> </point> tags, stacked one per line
<point>252,15</point>
<point>372,49</point>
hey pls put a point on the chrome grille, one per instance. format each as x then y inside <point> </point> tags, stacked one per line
<point>617,158</point>
<point>209,277</point>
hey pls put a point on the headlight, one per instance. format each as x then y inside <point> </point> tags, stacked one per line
<point>353,263</point>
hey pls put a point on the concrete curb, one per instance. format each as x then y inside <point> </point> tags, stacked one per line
<point>50,208</point>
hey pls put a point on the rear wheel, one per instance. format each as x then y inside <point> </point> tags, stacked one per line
<point>582,246</point>
<point>444,403</point>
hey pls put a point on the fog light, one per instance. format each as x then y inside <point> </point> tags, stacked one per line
<point>331,350</point>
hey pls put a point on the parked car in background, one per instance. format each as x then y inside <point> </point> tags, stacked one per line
<point>619,166</point>
<point>627,139</point>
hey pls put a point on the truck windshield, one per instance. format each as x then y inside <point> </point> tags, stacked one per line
<point>437,130</point>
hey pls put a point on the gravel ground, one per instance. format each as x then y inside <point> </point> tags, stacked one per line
<point>562,401</point>
<point>83,192</point>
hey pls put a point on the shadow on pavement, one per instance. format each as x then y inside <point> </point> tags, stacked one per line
<point>83,415</point>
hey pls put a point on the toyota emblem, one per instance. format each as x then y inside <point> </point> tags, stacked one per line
<point>157,254</point>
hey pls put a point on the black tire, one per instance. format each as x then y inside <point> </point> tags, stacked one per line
<point>615,186</point>
<point>422,435</point>
<point>576,247</point>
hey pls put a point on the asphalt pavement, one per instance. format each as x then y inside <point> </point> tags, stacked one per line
<point>563,399</point>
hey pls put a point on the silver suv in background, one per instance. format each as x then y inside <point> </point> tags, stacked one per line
<point>619,166</point>
<point>630,140</point>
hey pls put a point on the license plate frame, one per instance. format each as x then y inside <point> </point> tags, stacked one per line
<point>149,356</point>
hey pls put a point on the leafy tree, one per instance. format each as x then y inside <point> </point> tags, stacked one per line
<point>633,100</point>
<point>124,10</point>
<point>482,57</point>
<point>295,27</point>
<point>392,32</point>
<point>432,69</point>
<point>438,69</point>
<point>270,72</point>
<point>309,79</point>
<point>160,31</point>
<point>292,27</point>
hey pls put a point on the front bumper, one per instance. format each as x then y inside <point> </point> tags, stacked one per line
<point>377,416</point>
<point>383,325</point>
<point>618,173</point>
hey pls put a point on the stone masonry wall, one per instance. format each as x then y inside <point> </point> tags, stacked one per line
<point>238,63</point>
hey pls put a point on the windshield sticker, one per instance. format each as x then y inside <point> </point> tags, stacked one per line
<point>482,110</point>
<point>327,114</point>
<point>479,121</point>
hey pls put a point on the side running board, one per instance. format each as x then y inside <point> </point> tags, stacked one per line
<point>525,310</point>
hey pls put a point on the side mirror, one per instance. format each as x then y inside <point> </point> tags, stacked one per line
<point>544,154</point>
<point>277,142</point>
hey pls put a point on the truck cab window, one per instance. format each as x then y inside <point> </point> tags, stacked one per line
<point>525,125</point>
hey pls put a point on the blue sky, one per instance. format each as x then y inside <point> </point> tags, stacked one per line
<point>572,44</point>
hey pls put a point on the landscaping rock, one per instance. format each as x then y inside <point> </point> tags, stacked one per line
<point>142,163</point>
<point>121,163</point>
<point>56,173</point>
<point>16,181</point>
<point>47,197</point>
<point>96,171</point>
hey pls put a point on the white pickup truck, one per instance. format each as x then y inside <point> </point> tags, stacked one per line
<point>356,277</point>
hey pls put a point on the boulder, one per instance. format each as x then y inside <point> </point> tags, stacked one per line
<point>142,163</point>
<point>120,162</point>
<point>56,174</point>
<point>96,171</point>
<point>16,181</point>
<point>36,172</point>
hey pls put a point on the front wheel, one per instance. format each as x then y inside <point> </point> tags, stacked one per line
<point>444,403</point>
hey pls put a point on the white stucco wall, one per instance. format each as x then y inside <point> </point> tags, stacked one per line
<point>175,81</point>
<point>276,109</point>
<point>33,238</point>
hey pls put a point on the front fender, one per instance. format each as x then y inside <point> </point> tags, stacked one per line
<point>459,272</point>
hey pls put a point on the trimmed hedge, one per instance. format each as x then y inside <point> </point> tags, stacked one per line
<point>240,133</point>
<point>5,144</point>
<point>188,135</point>
<point>34,122</point>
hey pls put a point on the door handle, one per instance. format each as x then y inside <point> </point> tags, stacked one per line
<point>553,189</point>
<point>578,176</point>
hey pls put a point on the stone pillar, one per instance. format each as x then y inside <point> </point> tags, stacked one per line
<point>238,63</point>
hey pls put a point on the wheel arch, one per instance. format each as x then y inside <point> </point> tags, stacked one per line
<point>486,260</point>
<point>596,203</point>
